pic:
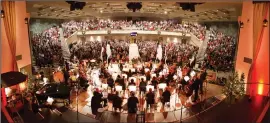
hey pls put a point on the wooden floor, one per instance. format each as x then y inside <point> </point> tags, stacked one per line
<point>84,106</point>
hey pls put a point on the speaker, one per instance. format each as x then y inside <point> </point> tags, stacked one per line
<point>247,60</point>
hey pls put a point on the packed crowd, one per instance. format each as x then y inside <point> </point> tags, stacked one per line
<point>73,26</point>
<point>220,51</point>
<point>47,48</point>
<point>175,52</point>
<point>219,54</point>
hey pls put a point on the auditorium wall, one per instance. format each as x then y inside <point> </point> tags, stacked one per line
<point>38,25</point>
<point>245,43</point>
<point>260,72</point>
<point>22,40</point>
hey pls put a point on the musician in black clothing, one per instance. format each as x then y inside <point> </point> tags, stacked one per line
<point>166,96</point>
<point>129,74</point>
<point>142,86</point>
<point>66,75</point>
<point>132,103</point>
<point>132,82</point>
<point>110,81</point>
<point>195,87</point>
<point>154,82</point>
<point>117,102</point>
<point>150,98</point>
<point>202,79</point>
<point>96,102</point>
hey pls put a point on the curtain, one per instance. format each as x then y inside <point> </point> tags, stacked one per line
<point>10,27</point>
<point>260,11</point>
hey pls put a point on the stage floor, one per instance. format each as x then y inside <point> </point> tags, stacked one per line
<point>84,106</point>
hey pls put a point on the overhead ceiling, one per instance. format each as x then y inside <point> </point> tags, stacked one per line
<point>208,11</point>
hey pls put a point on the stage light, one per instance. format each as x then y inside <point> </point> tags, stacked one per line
<point>186,78</point>
<point>2,14</point>
<point>260,87</point>
<point>265,23</point>
<point>132,88</point>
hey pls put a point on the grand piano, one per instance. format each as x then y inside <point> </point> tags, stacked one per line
<point>53,90</point>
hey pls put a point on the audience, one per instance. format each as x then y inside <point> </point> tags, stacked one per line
<point>219,54</point>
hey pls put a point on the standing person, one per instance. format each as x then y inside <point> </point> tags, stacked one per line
<point>150,98</point>
<point>132,103</point>
<point>117,102</point>
<point>202,79</point>
<point>96,102</point>
<point>195,87</point>
<point>166,96</point>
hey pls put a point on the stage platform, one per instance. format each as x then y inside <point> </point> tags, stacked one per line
<point>84,107</point>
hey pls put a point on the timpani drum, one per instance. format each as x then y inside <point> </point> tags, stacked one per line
<point>58,76</point>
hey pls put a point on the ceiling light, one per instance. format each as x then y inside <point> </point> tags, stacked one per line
<point>101,11</point>
<point>224,13</point>
<point>165,12</point>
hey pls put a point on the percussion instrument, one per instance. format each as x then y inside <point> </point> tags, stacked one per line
<point>58,76</point>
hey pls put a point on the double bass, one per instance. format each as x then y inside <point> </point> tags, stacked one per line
<point>188,88</point>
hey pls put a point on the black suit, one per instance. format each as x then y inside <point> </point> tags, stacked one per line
<point>195,87</point>
<point>202,78</point>
<point>150,98</point>
<point>95,102</point>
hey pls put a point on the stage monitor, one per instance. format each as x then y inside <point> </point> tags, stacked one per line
<point>133,34</point>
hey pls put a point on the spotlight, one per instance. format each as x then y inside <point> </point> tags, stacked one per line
<point>74,5</point>
<point>134,6</point>
<point>2,14</point>
<point>241,24</point>
<point>26,20</point>
<point>265,23</point>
